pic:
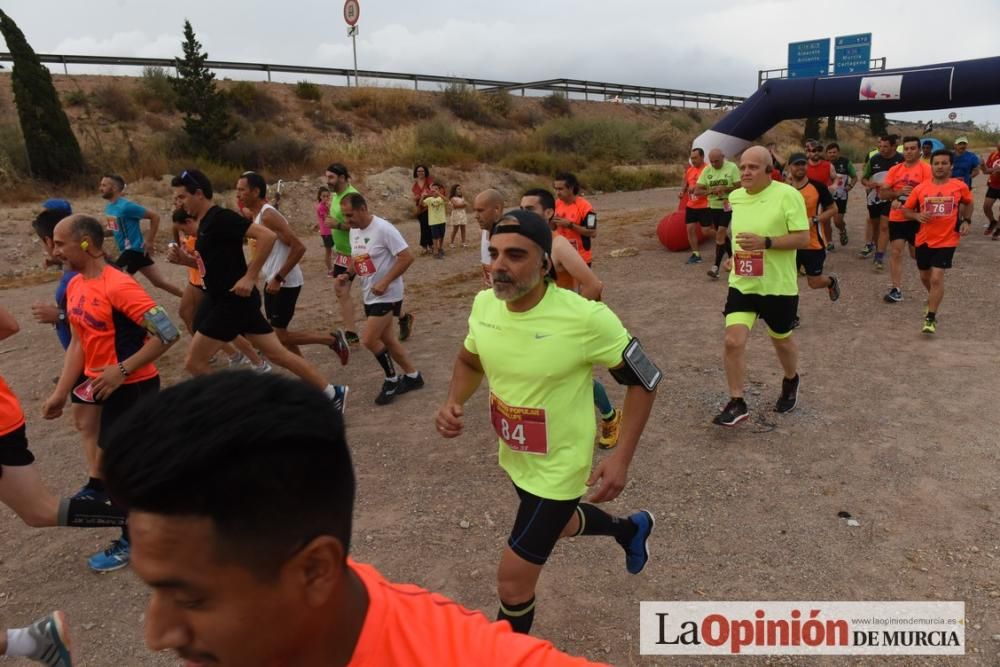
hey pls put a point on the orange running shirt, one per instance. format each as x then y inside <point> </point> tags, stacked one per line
<point>194,275</point>
<point>902,175</point>
<point>409,626</point>
<point>991,162</point>
<point>941,230</point>
<point>11,415</point>
<point>691,178</point>
<point>817,198</point>
<point>820,172</point>
<point>106,313</point>
<point>576,213</point>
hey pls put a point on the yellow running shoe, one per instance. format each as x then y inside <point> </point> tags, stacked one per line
<point>609,431</point>
<point>930,326</point>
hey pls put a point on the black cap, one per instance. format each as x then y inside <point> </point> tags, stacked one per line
<point>527,224</point>
<point>338,169</point>
<point>797,157</point>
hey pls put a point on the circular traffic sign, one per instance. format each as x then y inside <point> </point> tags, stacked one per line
<point>952,116</point>
<point>352,12</point>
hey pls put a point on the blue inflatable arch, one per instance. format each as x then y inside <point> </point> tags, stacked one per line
<point>966,83</point>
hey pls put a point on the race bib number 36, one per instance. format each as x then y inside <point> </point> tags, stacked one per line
<point>521,429</point>
<point>749,264</point>
<point>939,207</point>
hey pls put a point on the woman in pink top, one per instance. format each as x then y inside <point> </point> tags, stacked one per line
<point>322,213</point>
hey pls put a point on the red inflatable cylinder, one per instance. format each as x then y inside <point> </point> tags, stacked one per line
<point>672,232</point>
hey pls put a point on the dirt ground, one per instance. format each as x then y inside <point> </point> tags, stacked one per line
<point>894,427</point>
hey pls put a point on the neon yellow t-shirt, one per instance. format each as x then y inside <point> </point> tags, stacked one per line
<point>776,210</point>
<point>436,212</point>
<point>711,177</point>
<point>539,365</point>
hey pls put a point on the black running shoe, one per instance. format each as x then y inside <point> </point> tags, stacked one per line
<point>405,326</point>
<point>734,412</point>
<point>789,394</point>
<point>834,289</point>
<point>352,338</point>
<point>389,390</point>
<point>406,383</point>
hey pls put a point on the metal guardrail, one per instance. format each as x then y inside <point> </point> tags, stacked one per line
<point>570,87</point>
<point>875,65</point>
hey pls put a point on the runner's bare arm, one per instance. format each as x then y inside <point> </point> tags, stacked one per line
<point>790,241</point>
<point>566,256</point>
<point>112,377</point>
<point>913,214</point>
<point>8,325</point>
<point>399,267</point>
<point>265,241</point>
<point>72,369</point>
<point>466,377</point>
<point>827,213</point>
<point>279,225</point>
<point>154,227</point>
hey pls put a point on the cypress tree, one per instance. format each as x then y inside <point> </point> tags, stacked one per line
<point>205,108</point>
<point>53,151</point>
<point>877,124</point>
<point>831,128</point>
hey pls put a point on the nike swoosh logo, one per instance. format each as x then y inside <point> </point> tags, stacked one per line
<point>540,336</point>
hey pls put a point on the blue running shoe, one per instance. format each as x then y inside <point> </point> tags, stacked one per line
<point>87,493</point>
<point>115,557</point>
<point>637,549</point>
<point>340,397</point>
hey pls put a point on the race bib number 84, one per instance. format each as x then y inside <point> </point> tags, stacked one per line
<point>521,429</point>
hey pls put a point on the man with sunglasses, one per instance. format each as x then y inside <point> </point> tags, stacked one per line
<point>231,306</point>
<point>537,346</point>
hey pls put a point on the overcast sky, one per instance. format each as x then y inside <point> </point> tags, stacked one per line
<point>710,47</point>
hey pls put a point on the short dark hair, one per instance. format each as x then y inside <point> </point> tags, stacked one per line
<point>339,169</point>
<point>454,190</point>
<point>943,151</point>
<point>45,224</point>
<point>570,181</point>
<point>544,197</point>
<point>699,151</point>
<point>180,216</point>
<point>116,179</point>
<point>193,180</point>
<point>272,470</point>
<point>355,199</point>
<point>909,138</point>
<point>833,144</point>
<point>86,227</point>
<point>255,182</point>
<point>319,193</point>
<point>891,138</point>
<point>427,172</point>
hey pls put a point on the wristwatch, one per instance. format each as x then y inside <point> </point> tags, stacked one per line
<point>280,278</point>
<point>767,242</point>
<point>62,316</point>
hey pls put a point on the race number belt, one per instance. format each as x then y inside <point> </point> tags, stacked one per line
<point>749,263</point>
<point>521,429</point>
<point>343,261</point>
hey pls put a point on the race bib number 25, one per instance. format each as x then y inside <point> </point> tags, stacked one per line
<point>521,429</point>
<point>749,264</point>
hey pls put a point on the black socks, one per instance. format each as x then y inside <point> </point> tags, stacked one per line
<point>520,616</point>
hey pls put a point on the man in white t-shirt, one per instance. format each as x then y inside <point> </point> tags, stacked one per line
<point>379,257</point>
<point>282,275</point>
<point>488,206</point>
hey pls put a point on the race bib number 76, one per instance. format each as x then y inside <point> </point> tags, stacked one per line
<point>939,207</point>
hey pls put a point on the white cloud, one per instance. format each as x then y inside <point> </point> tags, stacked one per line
<point>134,43</point>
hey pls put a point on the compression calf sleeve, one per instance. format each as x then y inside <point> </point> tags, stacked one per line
<point>602,401</point>
<point>595,521</point>
<point>520,616</point>
<point>89,514</point>
<point>385,361</point>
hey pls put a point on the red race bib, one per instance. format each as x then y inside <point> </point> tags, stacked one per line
<point>521,429</point>
<point>111,223</point>
<point>85,391</point>
<point>343,261</point>
<point>201,264</point>
<point>749,264</point>
<point>939,207</point>
<point>363,265</point>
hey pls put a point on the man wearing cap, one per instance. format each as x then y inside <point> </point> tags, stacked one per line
<point>537,345</point>
<point>966,165</point>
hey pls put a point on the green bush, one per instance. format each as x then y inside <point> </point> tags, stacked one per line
<point>12,147</point>
<point>76,98</point>
<point>527,116</point>
<point>622,179</point>
<point>499,102</point>
<point>155,93</point>
<point>389,107</point>
<point>306,90</point>
<point>557,103</point>
<point>254,150</point>
<point>665,142</point>
<point>594,139</point>
<point>436,142</point>
<point>115,102</point>
<point>252,102</point>
<point>536,162</point>
<point>468,104</point>
<point>682,122</point>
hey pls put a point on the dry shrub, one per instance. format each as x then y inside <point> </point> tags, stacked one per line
<point>252,101</point>
<point>557,103</point>
<point>155,93</point>
<point>389,107</point>
<point>115,102</point>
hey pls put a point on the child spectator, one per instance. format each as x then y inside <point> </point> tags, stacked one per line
<point>322,212</point>
<point>437,218</point>
<point>458,218</point>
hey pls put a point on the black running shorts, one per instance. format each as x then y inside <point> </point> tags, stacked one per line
<point>841,205</point>
<point>880,210</point>
<point>811,260</point>
<point>14,450</point>
<point>280,308</point>
<point>538,525</point>
<point>228,316</point>
<point>993,193</point>
<point>380,309</point>
<point>720,217</point>
<point>906,231</point>
<point>133,260</point>
<point>696,216</point>
<point>777,311</point>
<point>121,401</point>
<point>934,258</point>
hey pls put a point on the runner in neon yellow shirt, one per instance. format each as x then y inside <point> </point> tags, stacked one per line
<point>537,345</point>
<point>769,225</point>
<point>719,178</point>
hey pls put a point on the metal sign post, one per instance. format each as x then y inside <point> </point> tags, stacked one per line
<point>352,12</point>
